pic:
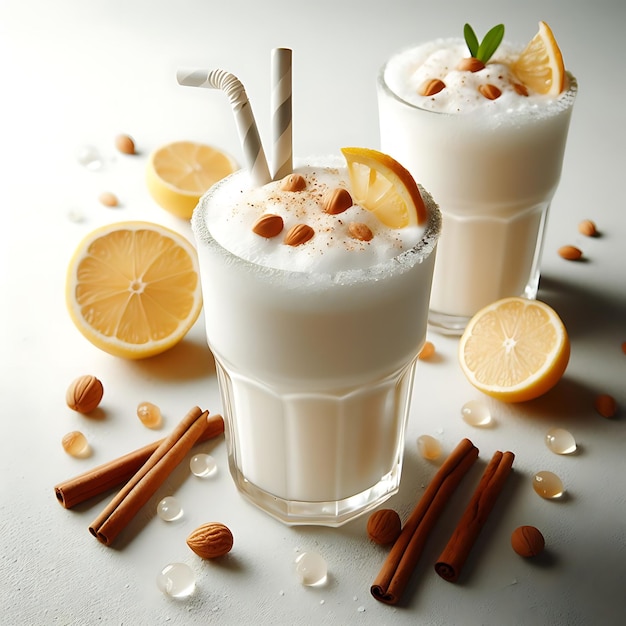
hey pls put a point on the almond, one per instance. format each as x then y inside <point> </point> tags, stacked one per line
<point>570,253</point>
<point>520,89</point>
<point>84,394</point>
<point>336,201</point>
<point>360,231</point>
<point>605,405</point>
<point>211,540</point>
<point>125,144</point>
<point>268,225</point>
<point>587,228</point>
<point>431,87</point>
<point>470,64</point>
<point>298,234</point>
<point>384,526</point>
<point>293,182</point>
<point>106,198</point>
<point>489,91</point>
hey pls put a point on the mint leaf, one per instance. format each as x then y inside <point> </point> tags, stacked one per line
<point>470,39</point>
<point>490,43</point>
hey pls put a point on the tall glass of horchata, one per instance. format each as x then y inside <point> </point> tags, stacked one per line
<point>315,312</point>
<point>489,146</point>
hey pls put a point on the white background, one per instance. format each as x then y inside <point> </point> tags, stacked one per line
<point>77,73</point>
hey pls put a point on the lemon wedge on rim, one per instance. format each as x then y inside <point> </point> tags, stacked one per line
<point>540,66</point>
<point>383,186</point>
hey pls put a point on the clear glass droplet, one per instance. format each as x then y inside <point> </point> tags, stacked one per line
<point>202,465</point>
<point>176,580</point>
<point>548,485</point>
<point>150,415</point>
<point>429,447</point>
<point>560,441</point>
<point>311,569</point>
<point>169,509</point>
<point>75,215</point>
<point>76,444</point>
<point>476,413</point>
<point>89,157</point>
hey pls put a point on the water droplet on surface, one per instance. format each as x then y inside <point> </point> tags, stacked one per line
<point>560,441</point>
<point>89,157</point>
<point>311,568</point>
<point>429,447</point>
<point>202,465</point>
<point>76,444</point>
<point>476,413</point>
<point>176,580</point>
<point>150,415</point>
<point>548,485</point>
<point>169,509</point>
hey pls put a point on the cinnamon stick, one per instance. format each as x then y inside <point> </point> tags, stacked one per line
<point>149,478</point>
<point>104,477</point>
<point>454,555</point>
<point>404,555</point>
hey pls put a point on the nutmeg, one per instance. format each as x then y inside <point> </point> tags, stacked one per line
<point>84,394</point>
<point>527,541</point>
<point>384,526</point>
<point>211,540</point>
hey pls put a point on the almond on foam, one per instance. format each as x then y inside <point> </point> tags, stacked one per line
<point>336,201</point>
<point>293,182</point>
<point>268,225</point>
<point>470,64</point>
<point>298,234</point>
<point>431,87</point>
<point>489,91</point>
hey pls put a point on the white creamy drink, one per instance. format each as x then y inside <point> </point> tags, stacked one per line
<point>490,150</point>
<point>315,342</point>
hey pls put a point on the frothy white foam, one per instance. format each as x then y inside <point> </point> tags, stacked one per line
<point>408,70</point>
<point>235,205</point>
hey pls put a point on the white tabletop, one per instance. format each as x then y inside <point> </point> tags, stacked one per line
<point>78,73</point>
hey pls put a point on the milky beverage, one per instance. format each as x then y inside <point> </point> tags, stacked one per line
<point>315,344</point>
<point>492,165</point>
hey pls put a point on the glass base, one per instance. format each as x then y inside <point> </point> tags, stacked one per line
<point>447,324</point>
<point>335,513</point>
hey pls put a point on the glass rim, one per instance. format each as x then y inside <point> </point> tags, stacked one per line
<point>568,96</point>
<point>422,250</point>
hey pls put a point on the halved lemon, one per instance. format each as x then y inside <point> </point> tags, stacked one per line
<point>133,288</point>
<point>514,349</point>
<point>179,173</point>
<point>540,66</point>
<point>384,187</point>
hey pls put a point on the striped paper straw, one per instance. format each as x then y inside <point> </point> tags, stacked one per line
<point>244,119</point>
<point>282,154</point>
